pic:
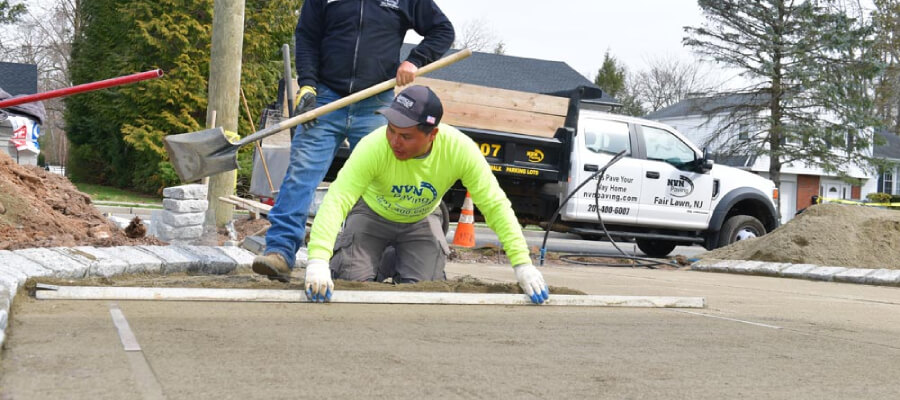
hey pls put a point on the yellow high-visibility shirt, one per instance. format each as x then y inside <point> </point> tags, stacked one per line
<point>407,191</point>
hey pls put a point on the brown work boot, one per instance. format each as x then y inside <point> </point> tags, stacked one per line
<point>273,266</point>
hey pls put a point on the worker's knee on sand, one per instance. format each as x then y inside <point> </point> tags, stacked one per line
<point>405,272</point>
<point>348,264</point>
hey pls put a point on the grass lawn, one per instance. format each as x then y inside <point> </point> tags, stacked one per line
<point>111,194</point>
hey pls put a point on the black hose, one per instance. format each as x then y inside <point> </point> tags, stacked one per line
<point>648,263</point>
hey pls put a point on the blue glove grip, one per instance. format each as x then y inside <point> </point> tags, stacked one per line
<point>318,298</point>
<point>540,297</point>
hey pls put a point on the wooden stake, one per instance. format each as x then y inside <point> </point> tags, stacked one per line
<point>262,156</point>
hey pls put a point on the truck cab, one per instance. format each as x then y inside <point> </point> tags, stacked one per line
<point>663,192</point>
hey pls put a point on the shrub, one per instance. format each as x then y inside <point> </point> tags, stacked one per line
<point>878,197</point>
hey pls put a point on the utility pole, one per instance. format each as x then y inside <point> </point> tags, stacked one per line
<point>224,95</point>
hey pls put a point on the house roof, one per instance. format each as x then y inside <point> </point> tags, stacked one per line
<point>737,161</point>
<point>891,146</point>
<point>706,105</point>
<point>531,75</point>
<point>17,78</point>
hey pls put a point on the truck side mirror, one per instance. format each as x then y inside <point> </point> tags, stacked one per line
<point>705,164</point>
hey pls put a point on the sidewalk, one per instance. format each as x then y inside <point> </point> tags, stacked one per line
<point>867,276</point>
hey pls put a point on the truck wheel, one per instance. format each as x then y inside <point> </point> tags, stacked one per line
<point>655,248</point>
<point>740,227</point>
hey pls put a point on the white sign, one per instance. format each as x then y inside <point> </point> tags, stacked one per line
<point>25,135</point>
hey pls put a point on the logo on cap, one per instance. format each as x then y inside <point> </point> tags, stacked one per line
<point>405,101</point>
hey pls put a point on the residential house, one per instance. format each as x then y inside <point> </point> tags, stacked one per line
<point>889,177</point>
<point>699,117</point>
<point>20,125</point>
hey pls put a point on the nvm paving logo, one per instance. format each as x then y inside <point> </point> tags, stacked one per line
<point>424,193</point>
<point>681,187</point>
<point>535,155</point>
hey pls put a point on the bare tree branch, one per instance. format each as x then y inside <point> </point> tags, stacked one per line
<point>476,35</point>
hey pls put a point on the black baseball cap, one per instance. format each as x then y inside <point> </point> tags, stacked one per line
<point>415,105</point>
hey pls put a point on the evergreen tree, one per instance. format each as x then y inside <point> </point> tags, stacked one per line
<point>9,11</point>
<point>611,76</point>
<point>887,22</point>
<point>117,134</point>
<point>810,66</point>
<point>631,103</point>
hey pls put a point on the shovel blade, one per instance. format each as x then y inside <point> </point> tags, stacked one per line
<point>197,155</point>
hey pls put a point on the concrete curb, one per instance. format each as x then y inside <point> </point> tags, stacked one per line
<point>873,276</point>
<point>85,261</point>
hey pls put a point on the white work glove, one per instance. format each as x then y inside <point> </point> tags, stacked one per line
<point>532,282</point>
<point>318,281</point>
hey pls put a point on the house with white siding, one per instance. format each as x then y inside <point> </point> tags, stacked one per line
<point>699,118</point>
<point>20,125</point>
<point>889,176</point>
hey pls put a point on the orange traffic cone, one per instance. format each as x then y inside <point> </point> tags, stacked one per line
<point>465,229</point>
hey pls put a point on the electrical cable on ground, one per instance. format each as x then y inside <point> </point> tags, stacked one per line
<point>646,262</point>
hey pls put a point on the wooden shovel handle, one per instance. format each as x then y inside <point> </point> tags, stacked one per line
<point>353,98</point>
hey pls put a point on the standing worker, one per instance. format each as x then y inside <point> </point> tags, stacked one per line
<point>391,186</point>
<point>342,47</point>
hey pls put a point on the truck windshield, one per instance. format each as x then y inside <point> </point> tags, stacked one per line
<point>664,146</point>
<point>606,136</point>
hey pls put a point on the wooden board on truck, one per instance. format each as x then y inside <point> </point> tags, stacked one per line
<point>482,107</point>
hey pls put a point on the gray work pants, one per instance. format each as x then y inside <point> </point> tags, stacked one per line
<point>419,248</point>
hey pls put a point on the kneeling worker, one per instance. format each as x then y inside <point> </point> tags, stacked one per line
<point>388,191</point>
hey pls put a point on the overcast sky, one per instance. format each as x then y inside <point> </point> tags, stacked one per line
<point>579,32</point>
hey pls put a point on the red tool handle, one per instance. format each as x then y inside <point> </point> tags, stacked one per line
<point>86,87</point>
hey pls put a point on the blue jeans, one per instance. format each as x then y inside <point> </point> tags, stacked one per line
<point>312,152</point>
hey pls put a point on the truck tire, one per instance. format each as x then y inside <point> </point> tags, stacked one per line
<point>740,227</point>
<point>655,248</point>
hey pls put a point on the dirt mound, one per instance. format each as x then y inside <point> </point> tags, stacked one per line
<point>827,234</point>
<point>40,209</point>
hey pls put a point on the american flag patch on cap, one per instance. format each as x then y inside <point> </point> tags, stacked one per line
<point>429,119</point>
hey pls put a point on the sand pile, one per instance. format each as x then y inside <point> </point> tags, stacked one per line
<point>40,209</point>
<point>827,234</point>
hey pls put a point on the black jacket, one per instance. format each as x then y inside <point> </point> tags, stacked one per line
<point>350,45</point>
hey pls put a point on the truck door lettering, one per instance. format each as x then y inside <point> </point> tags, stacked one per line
<point>610,209</point>
<point>680,203</point>
<point>614,197</point>
<point>665,201</point>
